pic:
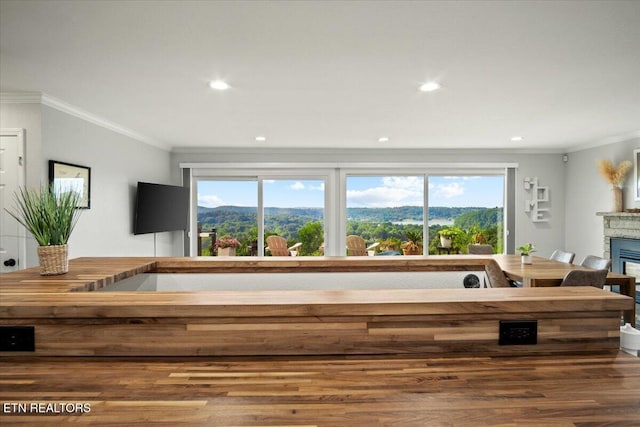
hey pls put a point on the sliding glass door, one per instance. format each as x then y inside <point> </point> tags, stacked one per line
<point>465,210</point>
<point>294,209</point>
<point>227,213</point>
<point>388,211</point>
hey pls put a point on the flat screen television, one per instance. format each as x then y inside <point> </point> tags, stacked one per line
<point>161,208</point>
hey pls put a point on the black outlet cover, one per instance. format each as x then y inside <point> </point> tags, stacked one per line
<point>17,338</point>
<point>518,332</point>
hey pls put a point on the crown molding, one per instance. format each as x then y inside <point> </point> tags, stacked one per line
<point>20,98</point>
<point>72,110</point>
<point>605,141</point>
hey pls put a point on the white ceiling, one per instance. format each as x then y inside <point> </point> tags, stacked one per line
<point>336,74</point>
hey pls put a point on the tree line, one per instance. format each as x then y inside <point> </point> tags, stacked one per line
<point>388,226</point>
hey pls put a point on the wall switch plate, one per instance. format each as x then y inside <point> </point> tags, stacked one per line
<point>518,332</point>
<point>17,338</point>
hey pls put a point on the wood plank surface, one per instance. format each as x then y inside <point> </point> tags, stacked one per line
<point>339,321</point>
<point>415,391</point>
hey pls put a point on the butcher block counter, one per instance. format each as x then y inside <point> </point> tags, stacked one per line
<point>69,316</point>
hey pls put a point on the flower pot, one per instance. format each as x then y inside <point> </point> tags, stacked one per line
<point>226,251</point>
<point>53,260</point>
<point>526,259</point>
<point>445,242</point>
<point>412,250</point>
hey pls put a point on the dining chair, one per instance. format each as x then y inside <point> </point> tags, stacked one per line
<point>562,256</point>
<point>595,262</point>
<point>495,276</point>
<point>595,278</point>
<point>480,249</point>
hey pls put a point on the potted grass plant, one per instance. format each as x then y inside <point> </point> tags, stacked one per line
<point>50,217</point>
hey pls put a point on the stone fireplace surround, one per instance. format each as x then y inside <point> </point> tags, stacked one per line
<point>625,225</point>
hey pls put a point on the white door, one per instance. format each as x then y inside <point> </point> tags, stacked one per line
<point>12,243</point>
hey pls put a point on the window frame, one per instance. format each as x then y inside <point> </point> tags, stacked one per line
<point>334,176</point>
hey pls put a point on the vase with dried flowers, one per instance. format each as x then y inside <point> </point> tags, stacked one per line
<point>615,175</point>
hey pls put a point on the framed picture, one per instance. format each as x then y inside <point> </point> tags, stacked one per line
<point>67,176</point>
<point>636,172</point>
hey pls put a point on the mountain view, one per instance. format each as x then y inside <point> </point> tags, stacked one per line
<point>388,226</point>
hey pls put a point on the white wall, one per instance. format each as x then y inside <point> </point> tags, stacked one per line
<point>27,116</point>
<point>588,193</point>
<point>549,168</point>
<point>117,163</point>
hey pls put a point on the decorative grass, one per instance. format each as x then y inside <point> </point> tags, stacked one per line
<point>49,216</point>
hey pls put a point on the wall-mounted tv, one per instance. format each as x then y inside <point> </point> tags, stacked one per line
<point>161,208</point>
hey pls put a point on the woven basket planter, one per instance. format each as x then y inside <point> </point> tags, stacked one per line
<point>53,260</point>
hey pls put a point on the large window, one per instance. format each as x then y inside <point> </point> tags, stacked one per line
<point>465,210</point>
<point>393,208</point>
<point>294,209</point>
<point>387,210</point>
<point>227,209</point>
<point>248,209</point>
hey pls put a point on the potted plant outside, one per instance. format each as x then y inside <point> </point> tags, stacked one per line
<point>413,245</point>
<point>227,246</point>
<point>447,235</point>
<point>50,217</point>
<point>525,253</point>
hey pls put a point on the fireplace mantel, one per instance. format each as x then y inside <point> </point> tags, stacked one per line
<point>619,214</point>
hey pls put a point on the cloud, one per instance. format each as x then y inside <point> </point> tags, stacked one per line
<point>394,191</point>
<point>210,201</point>
<point>297,186</point>
<point>448,191</point>
<point>406,182</point>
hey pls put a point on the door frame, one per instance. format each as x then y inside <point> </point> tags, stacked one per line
<point>22,238</point>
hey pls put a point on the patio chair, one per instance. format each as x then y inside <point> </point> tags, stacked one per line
<point>278,246</point>
<point>356,246</point>
<point>480,249</point>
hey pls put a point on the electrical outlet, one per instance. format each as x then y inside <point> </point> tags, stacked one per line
<point>17,338</point>
<point>518,332</point>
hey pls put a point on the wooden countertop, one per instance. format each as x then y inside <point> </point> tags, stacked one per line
<point>87,274</point>
<point>26,294</point>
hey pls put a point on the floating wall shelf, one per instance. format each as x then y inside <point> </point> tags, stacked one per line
<point>539,196</point>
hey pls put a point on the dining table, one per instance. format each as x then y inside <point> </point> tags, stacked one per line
<point>547,272</point>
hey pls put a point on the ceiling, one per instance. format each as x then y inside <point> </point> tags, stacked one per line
<point>326,74</point>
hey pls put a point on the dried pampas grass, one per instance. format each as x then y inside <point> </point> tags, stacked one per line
<point>614,175</point>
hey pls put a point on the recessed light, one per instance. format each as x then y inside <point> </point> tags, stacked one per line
<point>430,86</point>
<point>516,138</point>
<point>219,85</point>
<point>383,139</point>
<point>261,138</point>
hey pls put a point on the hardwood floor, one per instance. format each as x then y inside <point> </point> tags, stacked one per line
<point>580,390</point>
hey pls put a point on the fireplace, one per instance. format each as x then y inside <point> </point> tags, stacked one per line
<point>622,245</point>
<point>625,259</point>
<point>625,256</point>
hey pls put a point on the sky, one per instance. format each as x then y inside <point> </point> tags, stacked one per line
<point>369,191</point>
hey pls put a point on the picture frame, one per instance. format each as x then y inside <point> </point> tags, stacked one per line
<point>64,176</point>
<point>636,173</point>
